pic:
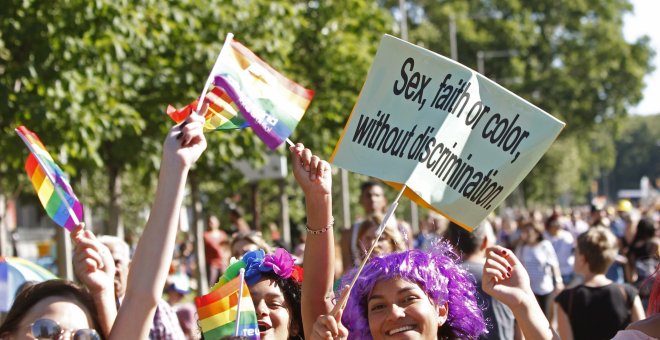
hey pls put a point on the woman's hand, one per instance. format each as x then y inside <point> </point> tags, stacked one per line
<point>92,261</point>
<point>185,142</point>
<point>329,327</point>
<point>505,278</point>
<point>311,172</point>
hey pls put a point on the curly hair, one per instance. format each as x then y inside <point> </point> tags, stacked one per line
<point>292,292</point>
<point>436,272</point>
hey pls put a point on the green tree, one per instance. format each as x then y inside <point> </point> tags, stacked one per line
<point>638,152</point>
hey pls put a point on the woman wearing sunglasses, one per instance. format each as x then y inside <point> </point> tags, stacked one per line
<point>54,309</point>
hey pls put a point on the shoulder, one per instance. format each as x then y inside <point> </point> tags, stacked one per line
<point>649,326</point>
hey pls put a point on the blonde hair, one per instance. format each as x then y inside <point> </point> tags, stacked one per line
<point>391,231</point>
<point>253,237</point>
<point>599,247</point>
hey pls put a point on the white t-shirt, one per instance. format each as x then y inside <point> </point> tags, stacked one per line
<point>538,260</point>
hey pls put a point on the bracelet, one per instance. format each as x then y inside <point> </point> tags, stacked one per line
<point>322,230</point>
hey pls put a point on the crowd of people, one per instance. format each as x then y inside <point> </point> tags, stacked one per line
<point>535,274</point>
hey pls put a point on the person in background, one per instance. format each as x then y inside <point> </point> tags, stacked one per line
<point>165,323</point>
<point>237,218</point>
<point>242,243</point>
<point>577,225</point>
<point>643,256</point>
<point>649,328</point>
<point>177,289</point>
<point>575,307</point>
<point>373,202</point>
<point>431,229</point>
<point>471,246</point>
<point>540,260</point>
<point>215,240</point>
<point>564,244</point>
<point>390,242</point>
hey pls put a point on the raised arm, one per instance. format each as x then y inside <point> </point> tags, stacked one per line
<point>183,146</point>
<point>314,177</point>
<point>505,279</point>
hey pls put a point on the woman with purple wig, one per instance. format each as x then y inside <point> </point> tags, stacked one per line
<point>413,295</point>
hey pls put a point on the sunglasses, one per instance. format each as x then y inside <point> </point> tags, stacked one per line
<point>51,330</point>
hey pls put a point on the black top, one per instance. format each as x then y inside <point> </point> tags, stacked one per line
<point>499,318</point>
<point>597,312</point>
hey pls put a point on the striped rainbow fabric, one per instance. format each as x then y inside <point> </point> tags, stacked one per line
<point>271,103</point>
<point>49,181</point>
<point>217,312</point>
<point>222,113</point>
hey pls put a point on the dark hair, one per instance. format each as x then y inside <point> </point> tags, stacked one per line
<point>645,230</point>
<point>33,294</point>
<point>292,292</point>
<point>465,242</point>
<point>536,226</point>
<point>369,184</point>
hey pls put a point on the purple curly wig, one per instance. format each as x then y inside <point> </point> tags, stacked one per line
<point>437,273</point>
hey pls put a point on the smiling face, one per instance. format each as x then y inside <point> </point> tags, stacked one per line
<point>399,309</point>
<point>272,310</point>
<point>70,314</point>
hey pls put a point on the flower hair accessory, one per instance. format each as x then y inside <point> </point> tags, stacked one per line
<point>256,263</point>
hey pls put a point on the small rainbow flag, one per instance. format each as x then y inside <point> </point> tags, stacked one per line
<point>222,113</point>
<point>49,181</point>
<point>271,103</point>
<point>217,312</point>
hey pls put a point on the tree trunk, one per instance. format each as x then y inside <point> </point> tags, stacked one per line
<point>198,231</point>
<point>115,223</point>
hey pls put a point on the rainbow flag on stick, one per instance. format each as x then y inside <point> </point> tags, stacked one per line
<point>271,103</point>
<point>49,181</point>
<point>228,310</point>
<point>222,113</point>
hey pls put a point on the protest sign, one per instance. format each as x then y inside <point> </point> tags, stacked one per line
<point>458,141</point>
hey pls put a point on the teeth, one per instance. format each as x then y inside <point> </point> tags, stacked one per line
<point>400,329</point>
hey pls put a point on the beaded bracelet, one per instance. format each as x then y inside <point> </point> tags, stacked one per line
<point>321,231</point>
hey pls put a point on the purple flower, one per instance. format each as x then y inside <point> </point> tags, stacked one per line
<point>280,262</point>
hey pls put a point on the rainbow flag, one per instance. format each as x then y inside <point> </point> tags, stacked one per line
<point>222,113</point>
<point>49,181</point>
<point>217,312</point>
<point>271,103</point>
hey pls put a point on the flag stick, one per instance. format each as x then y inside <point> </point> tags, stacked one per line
<point>288,141</point>
<point>240,297</point>
<point>51,177</point>
<point>228,39</point>
<point>342,302</point>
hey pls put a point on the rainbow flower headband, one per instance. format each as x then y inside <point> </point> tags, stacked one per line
<point>256,263</point>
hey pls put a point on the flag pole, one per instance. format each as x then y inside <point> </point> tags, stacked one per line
<point>50,177</point>
<point>342,302</point>
<point>228,39</point>
<point>241,273</point>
